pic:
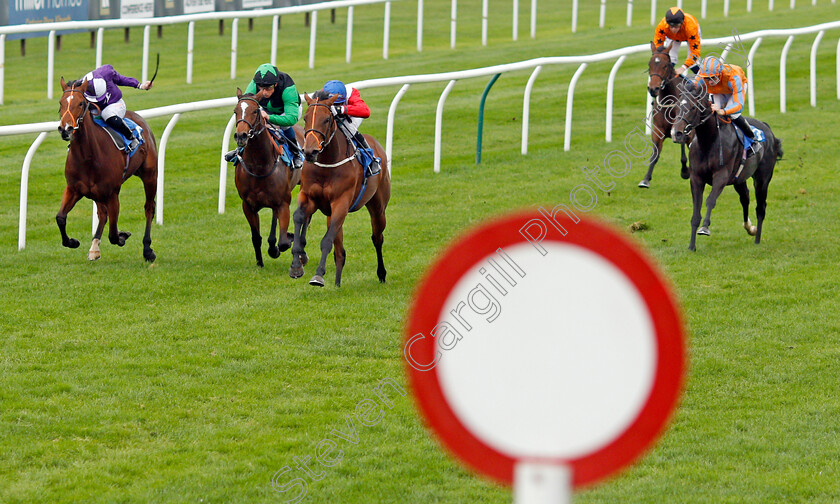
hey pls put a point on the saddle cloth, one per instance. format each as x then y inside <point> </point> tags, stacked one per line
<point>119,140</point>
<point>759,136</point>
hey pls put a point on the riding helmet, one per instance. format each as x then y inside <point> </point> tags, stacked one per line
<point>336,87</point>
<point>267,75</point>
<point>674,16</point>
<point>711,67</point>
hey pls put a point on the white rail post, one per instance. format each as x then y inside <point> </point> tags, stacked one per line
<point>792,4</point>
<point>703,9</point>
<point>749,5</point>
<point>2,65</point>
<point>653,12</point>
<point>161,166</point>
<point>94,219</point>
<point>144,73</point>
<point>223,164</point>
<point>190,46</point>
<point>453,21</point>
<point>275,29</point>
<point>24,188</point>
<point>533,18</point>
<point>515,20</point>
<point>313,35</point>
<point>725,8</point>
<point>648,110</point>
<point>574,15</point>
<point>234,35</point>
<point>814,67</point>
<point>387,30</point>
<point>679,4</point>
<point>50,63</point>
<point>439,123</point>
<point>484,10</point>
<point>570,99</point>
<point>610,92</point>
<point>770,5</point>
<point>602,14</point>
<point>725,52</point>
<point>837,66</point>
<point>782,70</point>
<point>526,107</point>
<point>389,136</point>
<point>100,35</point>
<point>419,25</point>
<point>750,87</point>
<point>629,12</point>
<point>349,43</point>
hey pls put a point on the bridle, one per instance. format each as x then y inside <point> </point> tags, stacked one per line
<point>252,128</point>
<point>76,121</point>
<point>332,128</point>
<point>691,125</point>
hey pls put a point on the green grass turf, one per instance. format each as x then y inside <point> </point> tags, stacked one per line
<point>197,378</point>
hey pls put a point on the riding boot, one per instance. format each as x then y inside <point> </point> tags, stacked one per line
<point>119,125</point>
<point>742,123</point>
<point>230,156</point>
<point>361,141</point>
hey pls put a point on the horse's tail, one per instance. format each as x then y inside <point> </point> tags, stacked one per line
<point>778,148</point>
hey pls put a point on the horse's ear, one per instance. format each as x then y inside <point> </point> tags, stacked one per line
<point>331,100</point>
<point>63,84</point>
<point>668,47</point>
<point>652,47</point>
<point>83,86</point>
<point>238,93</point>
<point>308,99</point>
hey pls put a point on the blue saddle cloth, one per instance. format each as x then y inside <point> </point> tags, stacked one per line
<point>116,135</point>
<point>745,140</point>
<point>366,157</point>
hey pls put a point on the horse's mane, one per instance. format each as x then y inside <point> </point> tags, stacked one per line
<point>248,95</point>
<point>321,95</point>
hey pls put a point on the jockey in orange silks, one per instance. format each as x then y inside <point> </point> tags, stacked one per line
<point>678,27</point>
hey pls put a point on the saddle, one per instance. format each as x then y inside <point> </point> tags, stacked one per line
<point>122,143</point>
<point>746,142</point>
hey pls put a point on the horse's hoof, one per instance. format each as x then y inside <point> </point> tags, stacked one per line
<point>149,255</point>
<point>644,184</point>
<point>317,281</point>
<point>274,252</point>
<point>692,248</point>
<point>304,259</point>
<point>93,255</point>
<point>296,272</point>
<point>123,236</point>
<point>260,264</point>
<point>751,230</point>
<point>704,231</point>
<point>72,243</point>
<point>283,247</point>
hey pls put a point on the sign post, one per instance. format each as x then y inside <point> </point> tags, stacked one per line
<point>546,351</point>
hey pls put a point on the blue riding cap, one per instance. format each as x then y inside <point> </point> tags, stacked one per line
<point>336,87</point>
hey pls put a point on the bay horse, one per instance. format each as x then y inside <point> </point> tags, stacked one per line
<point>96,169</point>
<point>665,87</point>
<point>262,178</point>
<point>715,156</point>
<point>332,181</point>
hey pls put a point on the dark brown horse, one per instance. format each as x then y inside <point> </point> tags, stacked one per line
<point>262,178</point>
<point>715,156</point>
<point>333,182</point>
<point>665,87</point>
<point>96,169</point>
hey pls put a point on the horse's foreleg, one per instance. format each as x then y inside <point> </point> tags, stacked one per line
<point>254,221</point>
<point>273,252</point>
<point>744,196</point>
<point>377,224</point>
<point>340,255</point>
<point>150,187</point>
<point>339,213</point>
<point>301,218</point>
<point>760,204</point>
<point>115,236</point>
<point>718,183</point>
<point>68,201</point>
<point>284,237</point>
<point>697,187</point>
<point>102,214</point>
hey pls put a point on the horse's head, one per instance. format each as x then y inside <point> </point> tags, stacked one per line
<point>693,110</point>
<point>72,107</point>
<point>659,68</point>
<point>319,123</point>
<point>249,120</point>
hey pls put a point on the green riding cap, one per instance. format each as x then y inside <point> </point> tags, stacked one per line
<point>283,106</point>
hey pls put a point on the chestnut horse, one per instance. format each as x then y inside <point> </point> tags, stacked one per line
<point>665,87</point>
<point>96,169</point>
<point>333,182</point>
<point>262,178</point>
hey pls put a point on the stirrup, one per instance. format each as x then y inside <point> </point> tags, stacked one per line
<point>132,146</point>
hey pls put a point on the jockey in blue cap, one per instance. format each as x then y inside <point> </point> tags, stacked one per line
<point>350,110</point>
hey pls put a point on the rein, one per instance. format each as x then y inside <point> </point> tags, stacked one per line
<point>77,122</point>
<point>325,141</point>
<point>252,131</point>
<point>249,172</point>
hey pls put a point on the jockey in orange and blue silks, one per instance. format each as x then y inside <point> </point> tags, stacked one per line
<point>103,91</point>
<point>678,27</point>
<point>727,86</point>
<point>350,110</point>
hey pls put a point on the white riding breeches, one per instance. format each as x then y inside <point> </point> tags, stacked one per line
<point>114,109</point>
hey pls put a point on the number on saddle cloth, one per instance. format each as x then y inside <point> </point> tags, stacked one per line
<point>120,141</point>
<point>745,140</point>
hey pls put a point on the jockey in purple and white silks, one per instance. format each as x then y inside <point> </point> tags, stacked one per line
<point>103,90</point>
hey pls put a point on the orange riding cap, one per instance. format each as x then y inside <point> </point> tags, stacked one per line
<point>689,32</point>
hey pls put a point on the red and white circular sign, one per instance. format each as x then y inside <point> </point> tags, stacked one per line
<point>545,337</point>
